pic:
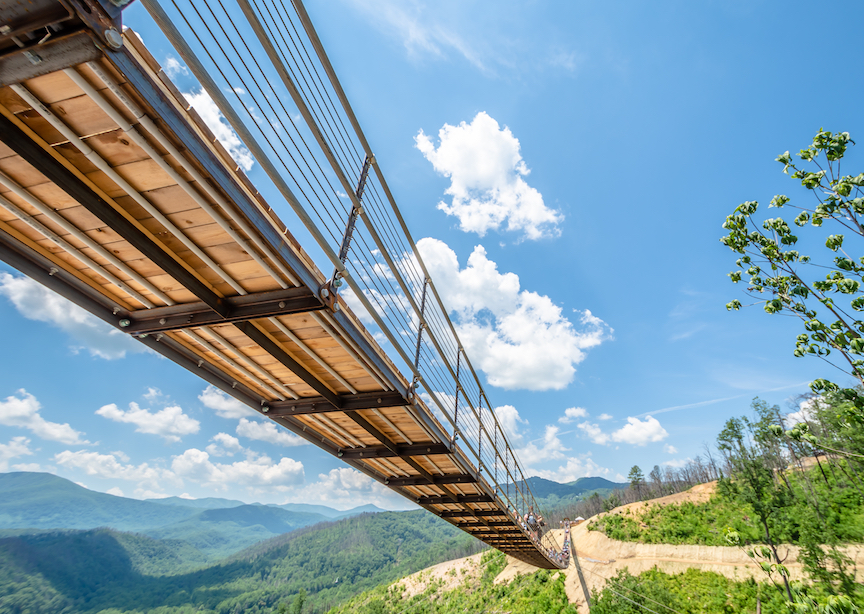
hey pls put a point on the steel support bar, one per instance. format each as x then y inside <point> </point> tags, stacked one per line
<point>66,180</point>
<point>317,405</point>
<point>273,348</point>
<point>401,452</point>
<point>469,513</point>
<point>484,525</point>
<point>438,479</point>
<point>441,500</point>
<point>240,308</point>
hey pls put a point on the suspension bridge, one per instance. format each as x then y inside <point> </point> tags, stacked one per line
<point>115,194</point>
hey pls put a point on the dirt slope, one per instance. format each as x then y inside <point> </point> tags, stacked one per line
<point>600,558</point>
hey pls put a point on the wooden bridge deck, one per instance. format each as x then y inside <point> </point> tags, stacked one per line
<point>157,232</point>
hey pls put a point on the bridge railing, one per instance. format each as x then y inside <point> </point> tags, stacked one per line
<point>266,70</point>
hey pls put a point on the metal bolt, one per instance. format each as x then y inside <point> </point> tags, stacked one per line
<point>34,59</point>
<point>124,323</point>
<point>265,409</point>
<point>325,293</point>
<point>53,271</point>
<point>281,304</point>
<point>5,29</point>
<point>162,321</point>
<point>113,38</point>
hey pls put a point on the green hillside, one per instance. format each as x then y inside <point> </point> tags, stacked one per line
<point>208,503</point>
<point>45,501</point>
<point>550,495</point>
<point>220,532</point>
<point>212,528</point>
<point>94,571</point>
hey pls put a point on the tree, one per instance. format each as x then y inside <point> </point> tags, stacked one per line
<point>753,484</point>
<point>636,479</point>
<point>788,282</point>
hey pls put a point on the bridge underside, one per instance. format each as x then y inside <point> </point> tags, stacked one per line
<point>115,194</point>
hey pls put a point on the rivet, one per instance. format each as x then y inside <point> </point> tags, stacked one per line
<point>124,323</point>
<point>162,321</point>
<point>281,304</point>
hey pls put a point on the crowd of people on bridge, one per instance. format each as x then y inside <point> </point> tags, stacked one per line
<point>533,524</point>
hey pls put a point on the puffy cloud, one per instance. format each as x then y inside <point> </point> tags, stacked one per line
<point>572,413</point>
<point>107,466</point>
<point>509,419</point>
<point>604,417</point>
<point>36,302</point>
<point>224,445</point>
<point>594,433</point>
<point>195,465</point>
<point>269,432</point>
<point>487,182</point>
<point>23,411</point>
<point>18,446</point>
<point>676,463</point>
<point>670,449</point>
<point>174,68</point>
<point>344,488</point>
<point>169,423</point>
<point>806,413</point>
<point>552,448</point>
<point>221,129</point>
<point>116,491</point>
<point>639,432</point>
<point>223,405</point>
<point>520,339</point>
<point>572,470</point>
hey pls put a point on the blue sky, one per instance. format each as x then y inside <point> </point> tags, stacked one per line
<point>568,167</point>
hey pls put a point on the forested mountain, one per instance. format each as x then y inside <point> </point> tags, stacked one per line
<point>214,528</point>
<point>550,495</point>
<point>91,571</point>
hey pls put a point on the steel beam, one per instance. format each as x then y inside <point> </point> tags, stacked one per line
<point>441,500</point>
<point>469,513</point>
<point>240,308</point>
<point>401,451</point>
<point>437,479</point>
<point>66,180</point>
<point>361,400</point>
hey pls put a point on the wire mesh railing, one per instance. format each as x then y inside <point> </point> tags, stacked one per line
<point>263,65</point>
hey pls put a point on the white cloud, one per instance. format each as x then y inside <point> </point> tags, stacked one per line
<point>224,445</point>
<point>36,302</point>
<point>594,433</point>
<point>174,68</point>
<point>520,339</point>
<point>552,448</point>
<point>572,470</point>
<point>116,491</point>
<point>639,432</point>
<point>18,446</point>
<point>806,413</point>
<point>107,466</point>
<point>169,423</point>
<point>487,182</point>
<point>670,449</point>
<point>27,467</point>
<point>223,405</point>
<point>221,129</point>
<point>23,411</point>
<point>572,413</point>
<point>509,419</point>
<point>345,488</point>
<point>604,417</point>
<point>677,463</point>
<point>269,432</point>
<point>195,465</point>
